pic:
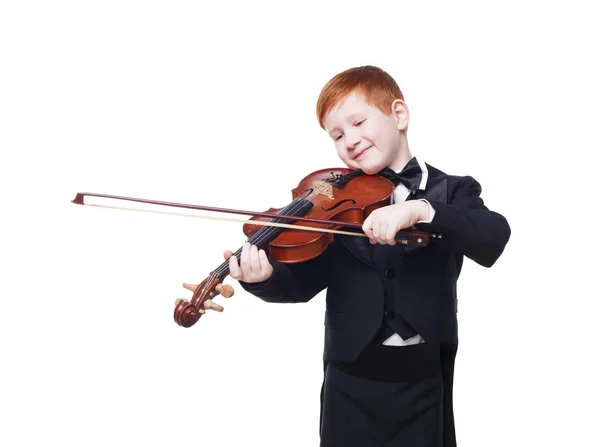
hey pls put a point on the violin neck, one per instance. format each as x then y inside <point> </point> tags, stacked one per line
<point>298,207</point>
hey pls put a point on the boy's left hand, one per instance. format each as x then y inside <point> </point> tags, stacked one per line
<point>382,224</point>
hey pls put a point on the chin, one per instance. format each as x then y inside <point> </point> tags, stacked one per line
<point>371,168</point>
<point>370,171</point>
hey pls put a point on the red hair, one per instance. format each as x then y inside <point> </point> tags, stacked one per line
<point>376,87</point>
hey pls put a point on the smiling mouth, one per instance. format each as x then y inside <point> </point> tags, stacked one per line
<point>357,156</point>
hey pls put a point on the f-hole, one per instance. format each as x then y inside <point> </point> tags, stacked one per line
<point>307,193</point>
<point>338,204</point>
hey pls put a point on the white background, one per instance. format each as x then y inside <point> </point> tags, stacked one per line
<point>213,103</point>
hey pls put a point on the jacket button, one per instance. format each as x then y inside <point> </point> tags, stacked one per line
<point>389,273</point>
<point>389,314</point>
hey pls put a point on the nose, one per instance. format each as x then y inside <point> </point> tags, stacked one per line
<point>352,140</point>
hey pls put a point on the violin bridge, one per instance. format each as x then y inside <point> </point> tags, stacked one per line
<point>323,188</point>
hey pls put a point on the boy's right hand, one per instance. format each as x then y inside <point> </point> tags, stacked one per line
<point>254,265</point>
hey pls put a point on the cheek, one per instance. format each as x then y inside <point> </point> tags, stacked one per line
<point>343,156</point>
<point>373,136</point>
<point>340,149</point>
<point>383,141</point>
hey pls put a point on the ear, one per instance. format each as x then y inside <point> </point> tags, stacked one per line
<point>401,114</point>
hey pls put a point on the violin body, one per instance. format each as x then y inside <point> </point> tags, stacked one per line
<point>332,199</point>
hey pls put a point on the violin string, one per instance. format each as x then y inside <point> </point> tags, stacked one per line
<point>263,235</point>
<point>209,281</point>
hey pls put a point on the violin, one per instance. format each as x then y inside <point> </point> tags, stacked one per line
<point>323,203</point>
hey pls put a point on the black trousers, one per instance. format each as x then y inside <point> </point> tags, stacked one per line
<point>390,397</point>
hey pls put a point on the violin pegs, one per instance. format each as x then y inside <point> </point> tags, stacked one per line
<point>208,304</point>
<point>191,287</point>
<point>225,290</point>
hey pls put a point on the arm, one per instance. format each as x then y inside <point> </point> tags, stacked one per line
<point>467,225</point>
<point>292,283</point>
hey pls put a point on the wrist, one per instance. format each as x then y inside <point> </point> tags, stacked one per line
<point>423,211</point>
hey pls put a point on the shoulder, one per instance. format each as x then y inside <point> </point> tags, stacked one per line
<point>454,182</point>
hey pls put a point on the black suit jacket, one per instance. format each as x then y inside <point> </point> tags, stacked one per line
<point>367,283</point>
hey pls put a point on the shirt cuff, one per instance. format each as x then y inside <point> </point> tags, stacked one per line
<point>431,212</point>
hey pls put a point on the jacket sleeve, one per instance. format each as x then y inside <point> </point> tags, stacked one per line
<point>292,283</point>
<point>467,225</point>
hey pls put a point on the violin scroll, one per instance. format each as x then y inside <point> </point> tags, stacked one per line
<point>187,313</point>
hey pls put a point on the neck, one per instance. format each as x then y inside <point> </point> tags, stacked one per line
<point>402,160</point>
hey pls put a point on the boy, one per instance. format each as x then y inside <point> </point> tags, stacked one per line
<point>391,330</point>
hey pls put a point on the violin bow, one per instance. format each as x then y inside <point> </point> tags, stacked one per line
<point>417,237</point>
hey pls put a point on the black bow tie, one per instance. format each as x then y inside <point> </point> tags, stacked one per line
<point>410,176</point>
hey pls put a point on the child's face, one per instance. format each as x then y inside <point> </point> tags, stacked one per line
<point>364,137</point>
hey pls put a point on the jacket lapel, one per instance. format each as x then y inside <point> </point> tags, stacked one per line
<point>436,188</point>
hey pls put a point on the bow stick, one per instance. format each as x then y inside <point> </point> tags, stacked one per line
<point>405,236</point>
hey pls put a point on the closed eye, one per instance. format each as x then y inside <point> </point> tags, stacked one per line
<point>358,123</point>
<point>338,137</point>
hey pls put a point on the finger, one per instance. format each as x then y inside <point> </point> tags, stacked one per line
<point>245,260</point>
<point>369,233</point>
<point>367,225</point>
<point>368,228</point>
<point>265,265</point>
<point>371,236</point>
<point>375,229</point>
<point>227,254</point>
<point>254,261</point>
<point>262,256</point>
<point>234,269</point>
<point>381,232</point>
<point>390,235</point>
